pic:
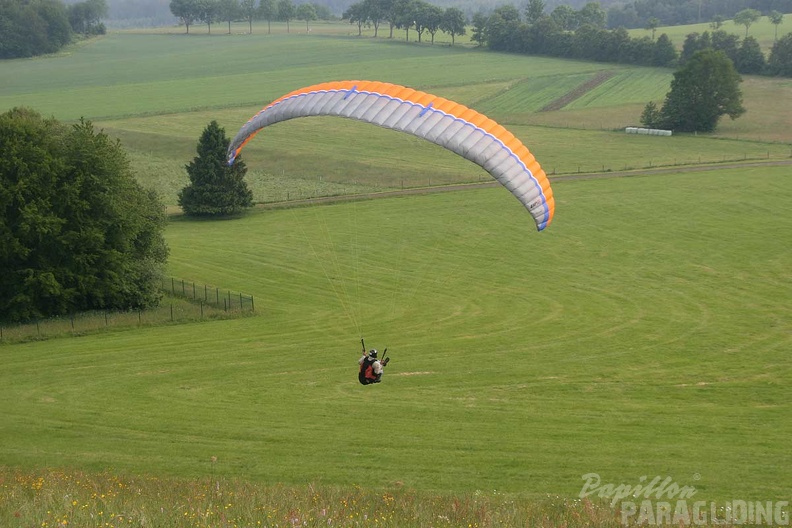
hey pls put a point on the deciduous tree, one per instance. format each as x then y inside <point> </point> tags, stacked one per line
<point>375,12</point>
<point>228,11</point>
<point>750,58</point>
<point>503,29</point>
<point>693,43</point>
<point>746,18</point>
<point>534,11</point>
<point>453,22</point>
<point>665,53</point>
<point>776,19</point>
<point>78,231</point>
<point>406,13</point>
<point>652,25</point>
<point>209,12</point>
<point>188,11</point>
<point>306,12</point>
<point>269,12</point>
<point>704,89</point>
<point>286,11</point>
<point>565,17</point>
<point>32,28</point>
<point>86,17</point>
<point>728,43</point>
<point>248,10</point>
<point>592,14</point>
<point>479,22</point>
<point>780,61</point>
<point>356,14</point>
<point>432,17</point>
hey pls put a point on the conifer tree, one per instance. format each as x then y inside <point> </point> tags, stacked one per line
<point>215,188</point>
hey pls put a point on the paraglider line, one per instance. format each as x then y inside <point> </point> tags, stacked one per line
<point>340,292</point>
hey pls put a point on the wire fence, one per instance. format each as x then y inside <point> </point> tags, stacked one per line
<point>183,301</point>
<point>211,295</point>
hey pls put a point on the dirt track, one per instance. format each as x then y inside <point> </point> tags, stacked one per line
<point>578,92</point>
<point>554,179</point>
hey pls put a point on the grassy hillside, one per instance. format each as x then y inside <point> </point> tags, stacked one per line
<point>132,74</point>
<point>644,333</point>
<point>157,91</point>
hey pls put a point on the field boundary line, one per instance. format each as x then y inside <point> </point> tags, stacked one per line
<point>176,211</point>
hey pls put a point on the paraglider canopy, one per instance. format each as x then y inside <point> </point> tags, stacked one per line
<point>451,125</point>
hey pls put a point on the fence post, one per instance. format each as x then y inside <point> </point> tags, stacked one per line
<point>206,297</point>
<point>229,300</point>
<point>193,291</point>
<point>240,302</point>
<point>252,308</point>
<point>217,296</point>
<point>173,286</point>
<point>72,321</point>
<point>38,330</point>
<point>105,314</point>
<point>201,309</point>
<point>184,293</point>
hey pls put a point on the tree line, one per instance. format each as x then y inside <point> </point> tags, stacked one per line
<point>575,34</point>
<point>569,34</point>
<point>641,13</point>
<point>36,27</point>
<point>418,15</point>
<point>582,35</point>
<point>210,11</point>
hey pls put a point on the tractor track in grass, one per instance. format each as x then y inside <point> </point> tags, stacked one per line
<point>553,179</point>
<point>578,92</point>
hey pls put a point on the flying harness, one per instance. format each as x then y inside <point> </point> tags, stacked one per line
<point>366,374</point>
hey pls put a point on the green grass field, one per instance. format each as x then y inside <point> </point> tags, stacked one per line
<point>762,30</point>
<point>156,92</point>
<point>645,333</point>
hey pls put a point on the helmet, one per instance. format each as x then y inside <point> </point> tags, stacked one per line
<point>373,353</point>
